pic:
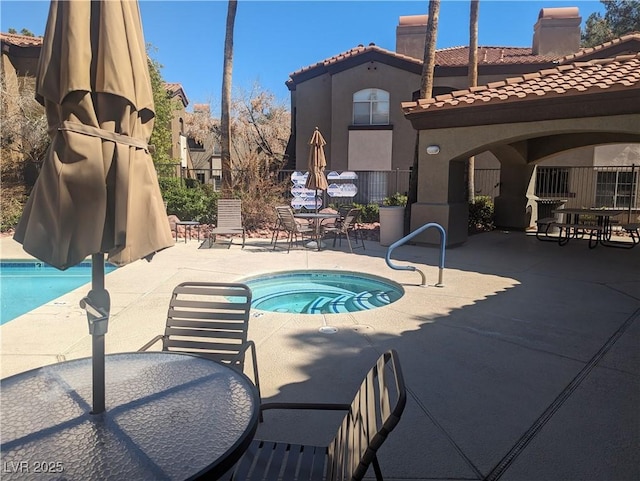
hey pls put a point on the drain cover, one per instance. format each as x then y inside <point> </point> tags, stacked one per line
<point>328,330</point>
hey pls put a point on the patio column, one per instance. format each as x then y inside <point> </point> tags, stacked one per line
<point>515,206</point>
<point>441,194</point>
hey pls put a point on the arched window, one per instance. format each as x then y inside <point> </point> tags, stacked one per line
<point>371,107</point>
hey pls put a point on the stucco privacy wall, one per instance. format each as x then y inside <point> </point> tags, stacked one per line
<point>441,181</point>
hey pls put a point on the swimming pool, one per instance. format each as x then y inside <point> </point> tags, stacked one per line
<point>25,285</point>
<point>321,291</point>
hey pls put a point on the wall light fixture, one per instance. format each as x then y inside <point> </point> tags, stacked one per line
<point>433,149</point>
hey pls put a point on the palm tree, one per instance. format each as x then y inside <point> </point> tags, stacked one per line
<point>426,89</point>
<point>225,115</point>
<point>473,82</point>
<point>429,61</point>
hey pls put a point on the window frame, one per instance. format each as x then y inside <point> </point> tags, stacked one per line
<point>375,98</point>
<point>616,189</point>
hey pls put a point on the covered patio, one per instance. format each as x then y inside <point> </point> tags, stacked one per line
<point>521,121</point>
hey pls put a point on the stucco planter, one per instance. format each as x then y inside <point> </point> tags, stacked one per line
<point>391,224</point>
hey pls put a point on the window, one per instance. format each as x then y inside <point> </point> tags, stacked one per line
<point>616,189</point>
<point>552,181</point>
<point>371,107</point>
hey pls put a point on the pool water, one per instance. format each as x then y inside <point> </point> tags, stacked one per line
<point>321,292</point>
<point>25,285</point>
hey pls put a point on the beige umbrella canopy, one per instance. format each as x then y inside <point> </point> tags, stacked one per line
<point>317,163</point>
<point>97,191</point>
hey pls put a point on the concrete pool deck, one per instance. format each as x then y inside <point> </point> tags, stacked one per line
<point>524,366</point>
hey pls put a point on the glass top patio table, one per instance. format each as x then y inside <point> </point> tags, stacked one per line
<point>168,416</point>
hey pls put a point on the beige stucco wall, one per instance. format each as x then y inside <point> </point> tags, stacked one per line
<point>313,109</point>
<point>398,83</point>
<point>370,149</point>
<point>327,102</point>
<point>617,154</point>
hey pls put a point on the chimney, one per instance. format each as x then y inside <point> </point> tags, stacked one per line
<point>411,33</point>
<point>557,32</point>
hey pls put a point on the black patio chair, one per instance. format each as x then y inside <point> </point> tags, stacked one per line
<point>373,414</point>
<point>211,320</point>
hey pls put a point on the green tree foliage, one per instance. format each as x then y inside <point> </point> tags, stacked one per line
<point>25,31</point>
<point>161,136</point>
<point>621,17</point>
<point>189,200</point>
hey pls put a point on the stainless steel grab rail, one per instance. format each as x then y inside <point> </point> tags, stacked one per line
<point>405,239</point>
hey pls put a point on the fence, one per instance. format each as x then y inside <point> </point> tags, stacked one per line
<point>605,187</point>
<point>614,187</point>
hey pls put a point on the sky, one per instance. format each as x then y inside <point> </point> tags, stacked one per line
<point>275,38</point>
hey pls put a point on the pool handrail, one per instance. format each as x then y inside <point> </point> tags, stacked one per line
<point>408,237</point>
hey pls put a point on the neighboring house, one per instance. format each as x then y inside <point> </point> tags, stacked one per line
<point>19,66</point>
<point>20,56</point>
<point>179,141</point>
<point>355,97</point>
<point>205,155</point>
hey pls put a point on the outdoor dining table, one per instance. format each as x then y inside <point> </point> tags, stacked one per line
<point>317,218</point>
<point>168,416</point>
<point>574,225</point>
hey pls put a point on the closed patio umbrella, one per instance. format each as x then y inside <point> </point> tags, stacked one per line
<point>316,179</point>
<point>97,192</point>
<point>317,163</point>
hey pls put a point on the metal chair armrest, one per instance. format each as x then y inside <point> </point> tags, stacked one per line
<point>151,342</point>
<point>251,346</point>
<point>309,406</point>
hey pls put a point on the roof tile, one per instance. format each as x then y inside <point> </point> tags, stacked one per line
<point>581,77</point>
<point>590,50</point>
<point>20,40</point>
<point>448,57</point>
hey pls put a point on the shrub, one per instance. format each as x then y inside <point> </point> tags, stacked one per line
<point>370,213</point>
<point>258,186</point>
<point>481,214</point>
<point>189,203</point>
<point>395,199</point>
<point>11,205</point>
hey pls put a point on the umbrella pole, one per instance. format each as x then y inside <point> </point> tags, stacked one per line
<point>97,305</point>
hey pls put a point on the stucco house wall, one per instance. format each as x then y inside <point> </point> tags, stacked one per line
<point>344,135</point>
<point>312,109</point>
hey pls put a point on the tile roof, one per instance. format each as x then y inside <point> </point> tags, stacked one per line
<point>20,40</point>
<point>354,52</point>
<point>175,89</point>
<point>632,37</point>
<point>459,56</point>
<point>447,57</point>
<point>619,73</point>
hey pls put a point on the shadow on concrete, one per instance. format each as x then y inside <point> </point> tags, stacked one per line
<point>534,375</point>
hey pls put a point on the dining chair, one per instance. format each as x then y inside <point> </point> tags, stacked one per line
<point>288,224</point>
<point>348,224</point>
<point>211,320</point>
<point>374,412</point>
